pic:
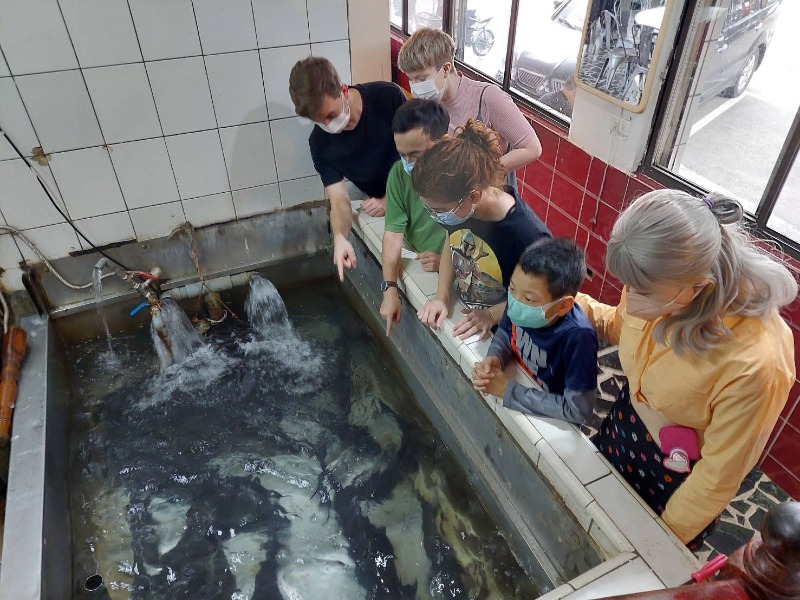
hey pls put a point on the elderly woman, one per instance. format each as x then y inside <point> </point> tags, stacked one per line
<point>709,361</point>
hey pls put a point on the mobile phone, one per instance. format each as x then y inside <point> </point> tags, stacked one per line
<point>678,437</point>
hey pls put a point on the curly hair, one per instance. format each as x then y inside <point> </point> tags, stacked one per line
<point>455,166</point>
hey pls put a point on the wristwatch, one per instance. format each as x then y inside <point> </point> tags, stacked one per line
<point>385,285</point>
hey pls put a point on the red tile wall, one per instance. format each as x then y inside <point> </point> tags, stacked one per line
<point>580,196</point>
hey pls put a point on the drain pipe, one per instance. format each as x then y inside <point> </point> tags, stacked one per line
<point>96,588</point>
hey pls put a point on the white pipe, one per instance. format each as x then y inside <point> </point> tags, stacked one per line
<point>5,312</point>
<point>30,244</point>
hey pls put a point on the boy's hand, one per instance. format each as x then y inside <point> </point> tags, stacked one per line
<point>488,377</point>
<point>433,313</point>
<point>374,207</point>
<point>429,261</point>
<point>390,308</point>
<point>476,321</point>
<point>343,255</point>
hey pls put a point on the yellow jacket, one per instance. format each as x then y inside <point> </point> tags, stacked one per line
<point>731,396</point>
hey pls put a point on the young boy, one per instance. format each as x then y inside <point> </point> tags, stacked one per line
<point>352,139</point>
<point>427,58</point>
<point>548,334</point>
<point>417,125</point>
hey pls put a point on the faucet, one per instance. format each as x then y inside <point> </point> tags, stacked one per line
<point>146,283</point>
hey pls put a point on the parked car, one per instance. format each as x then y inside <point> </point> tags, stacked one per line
<point>544,61</point>
<point>740,48</point>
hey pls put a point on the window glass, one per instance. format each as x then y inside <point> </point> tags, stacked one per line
<point>546,46</point>
<point>425,13</point>
<point>785,217</point>
<point>480,29</point>
<point>396,13</point>
<point>736,99</point>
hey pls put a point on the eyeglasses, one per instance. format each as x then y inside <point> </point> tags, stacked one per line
<point>439,213</point>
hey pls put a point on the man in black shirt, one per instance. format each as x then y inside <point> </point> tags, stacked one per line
<point>352,139</point>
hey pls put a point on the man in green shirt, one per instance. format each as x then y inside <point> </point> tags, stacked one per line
<point>416,126</point>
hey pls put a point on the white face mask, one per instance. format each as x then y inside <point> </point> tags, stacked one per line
<point>427,89</point>
<point>339,123</point>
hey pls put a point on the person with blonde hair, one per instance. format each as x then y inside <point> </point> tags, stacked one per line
<point>460,182</point>
<point>428,59</point>
<point>709,360</point>
<point>352,140</point>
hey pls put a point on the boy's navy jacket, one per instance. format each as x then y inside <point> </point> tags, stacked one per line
<point>562,358</point>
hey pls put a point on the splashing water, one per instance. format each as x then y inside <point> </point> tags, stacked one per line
<point>173,335</point>
<point>273,335</point>
<point>266,310</point>
<point>97,279</point>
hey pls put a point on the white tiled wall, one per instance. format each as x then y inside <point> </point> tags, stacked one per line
<point>154,112</point>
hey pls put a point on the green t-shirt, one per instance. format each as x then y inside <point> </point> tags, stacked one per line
<point>406,214</point>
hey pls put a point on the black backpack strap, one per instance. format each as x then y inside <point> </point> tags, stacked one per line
<point>479,116</point>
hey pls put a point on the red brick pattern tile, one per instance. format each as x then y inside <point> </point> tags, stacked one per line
<point>634,190</point>
<point>792,312</point>
<point>604,220</point>
<point>614,186</point>
<point>535,201</point>
<point>610,294</point>
<point>596,255</point>
<point>567,196</point>
<point>588,211</point>
<point>582,237</point>
<point>549,142</point>
<point>793,397</point>
<point>540,177</point>
<point>782,476</point>
<point>597,174</point>
<point>560,224</point>
<point>573,163</point>
<point>776,431</point>
<point>592,287</point>
<point>786,449</point>
<point>792,412</point>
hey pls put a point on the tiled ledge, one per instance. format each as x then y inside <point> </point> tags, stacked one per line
<point>642,552</point>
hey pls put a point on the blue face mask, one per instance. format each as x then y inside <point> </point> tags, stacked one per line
<point>523,315</point>
<point>451,219</point>
<point>408,166</point>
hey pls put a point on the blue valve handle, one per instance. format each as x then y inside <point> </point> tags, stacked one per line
<point>138,308</point>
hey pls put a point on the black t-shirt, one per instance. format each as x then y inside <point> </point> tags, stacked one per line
<point>485,253</point>
<point>366,154</point>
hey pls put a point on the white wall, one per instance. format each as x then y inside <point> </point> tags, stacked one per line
<point>154,112</point>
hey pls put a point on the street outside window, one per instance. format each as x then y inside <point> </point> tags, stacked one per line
<point>481,34</point>
<point>425,13</point>
<point>546,47</point>
<point>728,119</point>
<point>396,13</point>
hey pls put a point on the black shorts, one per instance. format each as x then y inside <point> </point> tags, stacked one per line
<point>625,442</point>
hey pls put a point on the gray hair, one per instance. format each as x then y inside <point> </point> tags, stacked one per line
<point>669,237</point>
